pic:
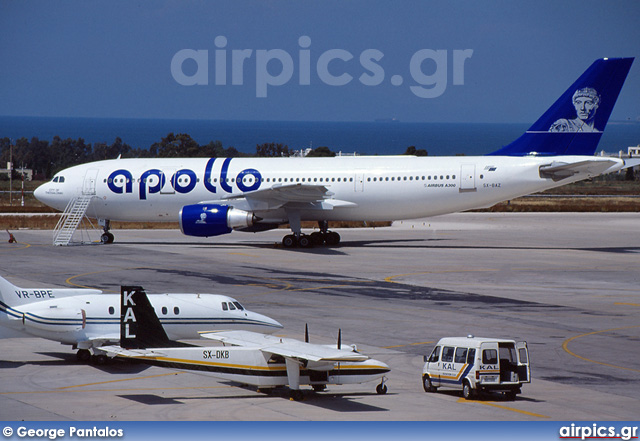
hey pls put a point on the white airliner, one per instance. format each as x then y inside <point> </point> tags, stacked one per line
<point>88,318</point>
<point>265,361</point>
<point>213,196</point>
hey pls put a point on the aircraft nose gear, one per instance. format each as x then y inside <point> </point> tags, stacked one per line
<point>106,237</point>
<point>381,389</point>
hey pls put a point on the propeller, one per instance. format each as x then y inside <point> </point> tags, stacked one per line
<point>306,333</point>
<point>339,338</point>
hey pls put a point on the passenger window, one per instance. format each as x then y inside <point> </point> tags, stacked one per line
<point>490,356</point>
<point>164,310</point>
<point>176,310</point>
<point>112,310</point>
<point>461,355</point>
<point>447,354</point>
<point>435,355</point>
<point>225,307</point>
<point>471,355</point>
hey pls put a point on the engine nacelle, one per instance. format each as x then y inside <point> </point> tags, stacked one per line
<point>55,319</point>
<point>204,220</point>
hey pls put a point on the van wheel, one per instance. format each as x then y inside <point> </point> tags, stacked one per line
<point>427,385</point>
<point>511,395</point>
<point>467,391</point>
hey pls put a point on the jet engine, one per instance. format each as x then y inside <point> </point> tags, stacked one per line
<point>204,220</point>
<point>55,319</point>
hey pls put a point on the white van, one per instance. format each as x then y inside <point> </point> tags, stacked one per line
<point>475,364</point>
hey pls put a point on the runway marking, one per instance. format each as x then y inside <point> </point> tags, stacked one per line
<point>565,345</point>
<point>69,280</point>
<point>122,379</point>
<point>537,415</point>
<point>15,247</point>
<point>390,278</point>
<point>626,304</point>
<point>409,344</point>
<point>116,390</point>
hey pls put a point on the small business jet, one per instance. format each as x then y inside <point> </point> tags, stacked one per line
<point>265,361</point>
<point>214,196</point>
<point>88,319</point>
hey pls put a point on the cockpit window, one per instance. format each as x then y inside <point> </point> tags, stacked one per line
<point>55,179</point>
<point>239,306</point>
<point>225,307</point>
<point>232,306</point>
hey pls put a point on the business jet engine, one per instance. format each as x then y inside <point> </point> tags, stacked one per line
<point>204,220</point>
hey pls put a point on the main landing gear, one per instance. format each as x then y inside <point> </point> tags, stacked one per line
<point>85,356</point>
<point>322,237</point>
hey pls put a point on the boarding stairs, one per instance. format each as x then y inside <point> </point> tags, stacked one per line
<point>70,220</point>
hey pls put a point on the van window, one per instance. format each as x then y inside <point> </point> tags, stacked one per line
<point>490,356</point>
<point>507,352</point>
<point>447,354</point>
<point>461,355</point>
<point>435,355</point>
<point>523,355</point>
<point>471,356</point>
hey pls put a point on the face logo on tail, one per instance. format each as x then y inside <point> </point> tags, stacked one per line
<point>586,102</point>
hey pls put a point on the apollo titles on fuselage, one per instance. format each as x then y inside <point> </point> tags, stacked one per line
<point>183,181</point>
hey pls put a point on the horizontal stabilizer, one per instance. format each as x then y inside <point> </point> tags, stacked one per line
<point>115,351</point>
<point>558,171</point>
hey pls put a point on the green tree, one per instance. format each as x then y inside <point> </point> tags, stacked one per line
<point>322,151</point>
<point>411,150</point>
<point>272,150</point>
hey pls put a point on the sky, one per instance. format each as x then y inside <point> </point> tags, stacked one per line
<point>416,61</point>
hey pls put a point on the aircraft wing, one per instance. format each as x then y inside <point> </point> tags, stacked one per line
<point>285,347</point>
<point>563,170</point>
<point>309,196</point>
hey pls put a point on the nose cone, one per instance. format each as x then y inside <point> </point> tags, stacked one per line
<point>264,323</point>
<point>384,367</point>
<point>51,195</point>
<point>39,193</point>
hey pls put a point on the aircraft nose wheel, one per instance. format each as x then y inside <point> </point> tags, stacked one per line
<point>381,389</point>
<point>107,238</point>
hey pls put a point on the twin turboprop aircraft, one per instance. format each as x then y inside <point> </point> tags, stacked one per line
<point>88,319</point>
<point>214,196</point>
<point>265,361</point>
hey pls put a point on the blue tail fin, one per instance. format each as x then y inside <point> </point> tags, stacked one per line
<point>573,125</point>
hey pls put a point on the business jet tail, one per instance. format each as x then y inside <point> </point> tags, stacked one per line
<point>573,125</point>
<point>139,324</point>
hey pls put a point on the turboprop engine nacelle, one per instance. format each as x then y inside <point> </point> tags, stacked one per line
<point>204,220</point>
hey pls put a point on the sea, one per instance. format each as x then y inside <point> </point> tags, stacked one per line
<point>386,137</point>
